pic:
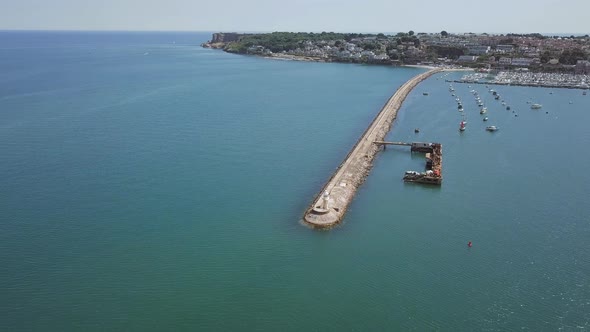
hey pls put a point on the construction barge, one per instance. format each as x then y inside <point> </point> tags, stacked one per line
<point>433,173</point>
<point>433,155</point>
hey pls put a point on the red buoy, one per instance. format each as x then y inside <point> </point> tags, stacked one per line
<point>469,244</point>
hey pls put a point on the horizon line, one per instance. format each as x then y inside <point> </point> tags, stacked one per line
<point>270,31</point>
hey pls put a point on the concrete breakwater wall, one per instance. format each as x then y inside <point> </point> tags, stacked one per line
<point>330,204</point>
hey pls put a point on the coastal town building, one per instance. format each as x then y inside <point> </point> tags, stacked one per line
<point>504,61</point>
<point>523,62</point>
<point>467,58</point>
<point>504,48</point>
<point>478,50</point>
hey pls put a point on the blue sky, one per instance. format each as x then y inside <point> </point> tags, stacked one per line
<point>565,16</point>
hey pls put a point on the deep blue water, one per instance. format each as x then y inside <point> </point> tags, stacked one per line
<point>151,184</point>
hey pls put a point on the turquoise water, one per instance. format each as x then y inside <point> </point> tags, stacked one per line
<point>149,184</point>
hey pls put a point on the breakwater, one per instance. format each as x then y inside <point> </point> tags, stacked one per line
<point>330,204</point>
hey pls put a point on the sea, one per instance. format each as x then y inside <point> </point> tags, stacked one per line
<point>150,184</point>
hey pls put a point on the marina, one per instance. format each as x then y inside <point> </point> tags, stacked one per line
<point>525,78</point>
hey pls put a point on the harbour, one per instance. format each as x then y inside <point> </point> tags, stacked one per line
<point>330,204</point>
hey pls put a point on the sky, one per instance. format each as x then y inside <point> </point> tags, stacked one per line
<point>492,16</point>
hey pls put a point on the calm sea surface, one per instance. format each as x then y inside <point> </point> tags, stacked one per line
<point>148,184</point>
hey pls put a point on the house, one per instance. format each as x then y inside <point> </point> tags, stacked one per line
<point>467,58</point>
<point>504,48</point>
<point>504,61</point>
<point>522,62</point>
<point>478,50</point>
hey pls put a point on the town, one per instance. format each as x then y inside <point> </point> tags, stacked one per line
<point>521,52</point>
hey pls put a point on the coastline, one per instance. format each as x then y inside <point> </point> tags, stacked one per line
<point>292,57</point>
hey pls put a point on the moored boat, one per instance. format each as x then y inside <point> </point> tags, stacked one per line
<point>491,128</point>
<point>536,106</point>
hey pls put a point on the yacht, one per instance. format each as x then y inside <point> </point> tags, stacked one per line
<point>483,111</point>
<point>536,106</point>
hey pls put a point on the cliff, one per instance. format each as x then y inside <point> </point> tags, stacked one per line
<point>222,39</point>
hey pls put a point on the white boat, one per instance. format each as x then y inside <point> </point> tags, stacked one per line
<point>536,106</point>
<point>485,119</point>
<point>491,128</point>
<point>483,111</point>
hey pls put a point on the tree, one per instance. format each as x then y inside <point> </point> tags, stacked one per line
<point>410,33</point>
<point>570,57</point>
<point>380,36</point>
<point>545,57</point>
<point>444,33</point>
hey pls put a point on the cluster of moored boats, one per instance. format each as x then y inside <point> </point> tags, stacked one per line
<point>556,80</point>
<point>483,109</point>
